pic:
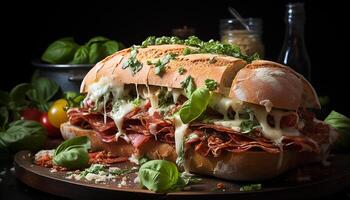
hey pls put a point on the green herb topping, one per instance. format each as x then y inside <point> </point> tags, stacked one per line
<point>181,70</point>
<point>134,65</point>
<point>251,187</point>
<point>160,64</point>
<point>211,84</point>
<point>212,46</point>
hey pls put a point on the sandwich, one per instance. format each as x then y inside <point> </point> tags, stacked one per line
<point>211,112</point>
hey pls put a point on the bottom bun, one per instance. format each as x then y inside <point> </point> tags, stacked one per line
<point>247,166</point>
<point>152,149</point>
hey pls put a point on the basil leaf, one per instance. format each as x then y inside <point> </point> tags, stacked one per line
<point>342,124</point>
<point>111,47</point>
<point>73,153</point>
<point>195,106</point>
<point>96,53</point>
<point>211,84</point>
<point>72,158</point>
<point>43,89</point>
<point>97,39</point>
<point>158,175</point>
<point>24,135</point>
<point>60,51</point>
<point>83,141</point>
<point>18,93</point>
<point>81,56</point>
<point>188,85</point>
<point>4,98</point>
<point>4,117</point>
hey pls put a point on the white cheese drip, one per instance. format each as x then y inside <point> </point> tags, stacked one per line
<point>118,117</point>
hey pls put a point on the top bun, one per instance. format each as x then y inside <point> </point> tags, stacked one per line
<point>273,85</point>
<point>200,67</point>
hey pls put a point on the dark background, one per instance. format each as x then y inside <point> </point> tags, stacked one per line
<point>27,29</point>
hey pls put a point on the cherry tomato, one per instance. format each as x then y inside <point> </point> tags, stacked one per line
<point>31,114</point>
<point>57,113</point>
<point>51,130</point>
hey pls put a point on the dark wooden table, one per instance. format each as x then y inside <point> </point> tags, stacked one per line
<point>12,188</point>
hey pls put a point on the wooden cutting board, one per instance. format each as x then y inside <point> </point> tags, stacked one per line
<point>314,181</point>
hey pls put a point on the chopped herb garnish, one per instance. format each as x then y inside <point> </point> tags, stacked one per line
<point>136,102</point>
<point>188,85</point>
<point>160,64</point>
<point>186,51</point>
<point>248,125</point>
<point>134,65</point>
<point>181,70</point>
<point>118,172</point>
<point>251,187</point>
<point>165,97</point>
<point>212,46</point>
<point>211,84</point>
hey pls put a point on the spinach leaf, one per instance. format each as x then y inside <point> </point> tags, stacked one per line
<point>23,134</point>
<point>195,105</point>
<point>96,52</point>
<point>158,175</point>
<point>73,153</point>
<point>60,51</point>
<point>342,124</point>
<point>111,47</point>
<point>81,56</point>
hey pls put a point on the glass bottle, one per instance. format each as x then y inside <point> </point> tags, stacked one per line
<point>233,32</point>
<point>293,53</point>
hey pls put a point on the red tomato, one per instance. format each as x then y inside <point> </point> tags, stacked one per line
<point>51,130</point>
<point>31,114</point>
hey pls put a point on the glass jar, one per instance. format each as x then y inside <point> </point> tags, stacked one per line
<point>233,32</point>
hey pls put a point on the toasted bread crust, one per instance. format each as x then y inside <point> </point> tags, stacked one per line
<point>152,149</point>
<point>220,68</point>
<point>247,166</point>
<point>263,81</point>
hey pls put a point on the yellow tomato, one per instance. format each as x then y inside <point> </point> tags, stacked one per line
<point>57,113</point>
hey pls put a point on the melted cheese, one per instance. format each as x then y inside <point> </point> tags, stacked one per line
<point>222,104</point>
<point>176,93</point>
<point>180,131</point>
<point>118,117</point>
<point>98,89</point>
<point>232,124</point>
<point>273,133</point>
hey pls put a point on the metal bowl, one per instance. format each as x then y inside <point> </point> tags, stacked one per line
<point>68,76</point>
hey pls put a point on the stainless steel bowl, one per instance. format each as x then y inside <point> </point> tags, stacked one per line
<point>68,76</point>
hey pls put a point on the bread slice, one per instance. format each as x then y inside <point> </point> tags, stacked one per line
<point>152,149</point>
<point>200,67</point>
<point>247,166</point>
<point>265,81</point>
